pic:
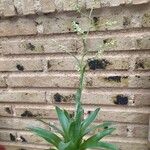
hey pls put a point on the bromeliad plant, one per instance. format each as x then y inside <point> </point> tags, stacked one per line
<point>74,131</point>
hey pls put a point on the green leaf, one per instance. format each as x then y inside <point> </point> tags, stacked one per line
<point>105,124</point>
<point>47,135</point>
<point>67,146</point>
<point>67,115</point>
<point>52,126</point>
<point>97,137</point>
<point>63,120</point>
<point>89,119</point>
<point>74,131</point>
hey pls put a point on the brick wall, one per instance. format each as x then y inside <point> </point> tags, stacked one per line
<point>35,74</point>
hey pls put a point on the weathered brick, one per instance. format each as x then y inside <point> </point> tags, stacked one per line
<point>142,63</point>
<point>139,81</point>
<point>60,97</point>
<point>140,1</point>
<point>18,4</point>
<point>22,96</point>
<point>30,138</point>
<point>95,98</point>
<point>92,4</point>
<point>39,81</point>
<point>142,99</point>
<point>142,42</point>
<point>2,82</point>
<point>125,143</point>
<point>126,42</point>
<point>8,7</point>
<point>49,45</point>
<point>19,124</point>
<point>125,115</point>
<point>20,137</point>
<point>61,26</point>
<point>107,81</point>
<point>6,110</point>
<point>98,98</point>
<point>149,134</point>
<point>59,5</point>
<point>67,63</point>
<point>16,146</point>
<point>118,81</point>
<point>122,115</point>
<point>47,6</point>
<point>30,111</point>
<point>19,7</point>
<point>140,131</point>
<point>7,65</point>
<point>104,21</point>
<point>128,130</point>
<point>81,3</point>
<point>1,9</point>
<point>69,5</point>
<point>20,26</point>
<point>39,46</point>
<point>146,20</point>
<point>72,81</point>
<point>28,7</point>
<point>8,135</point>
<point>111,3</point>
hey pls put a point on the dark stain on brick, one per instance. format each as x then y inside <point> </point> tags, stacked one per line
<point>98,64</point>
<point>115,78</point>
<point>23,139</point>
<point>107,41</point>
<point>69,29</point>
<point>12,137</point>
<point>126,21</point>
<point>27,114</point>
<point>139,64</point>
<point>30,46</point>
<point>138,77</point>
<point>95,21</point>
<point>121,100</point>
<point>8,110</point>
<point>22,149</point>
<point>49,64</point>
<point>89,112</point>
<point>89,82</point>
<point>20,67</point>
<point>60,98</point>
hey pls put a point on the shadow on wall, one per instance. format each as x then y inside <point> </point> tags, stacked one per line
<point>2,147</point>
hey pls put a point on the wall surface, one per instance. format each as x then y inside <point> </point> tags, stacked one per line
<point>35,74</point>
